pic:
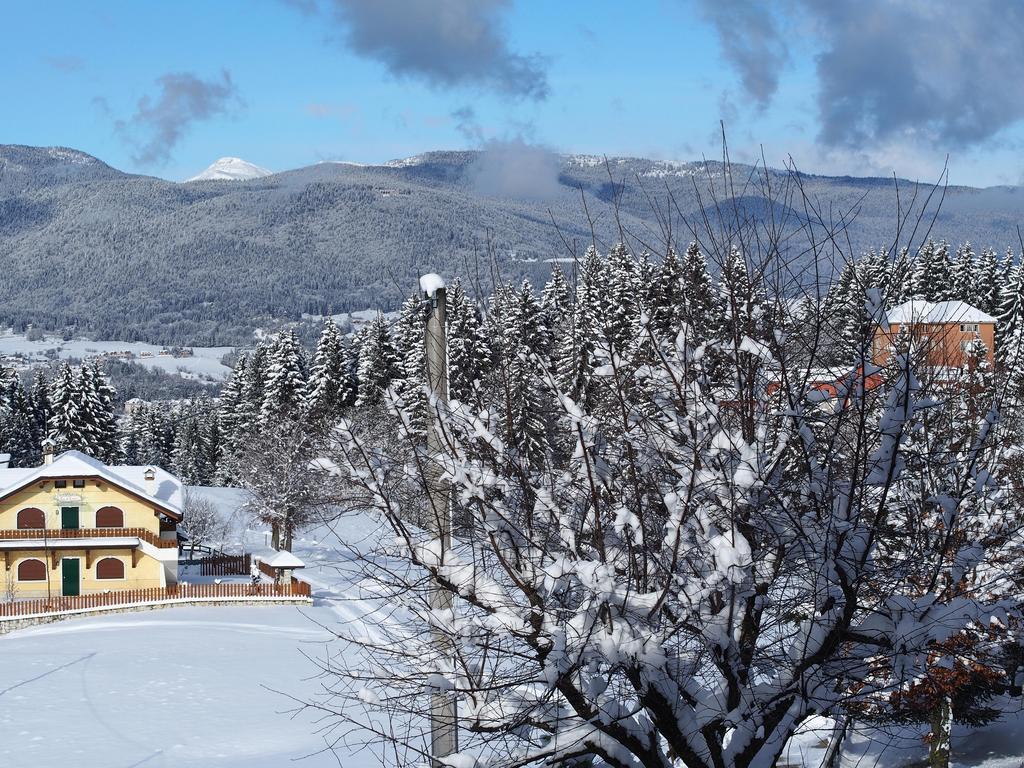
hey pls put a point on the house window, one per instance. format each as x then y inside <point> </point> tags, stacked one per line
<point>968,327</point>
<point>109,568</point>
<point>31,570</point>
<point>60,483</point>
<point>30,517</point>
<point>109,517</point>
<point>78,482</point>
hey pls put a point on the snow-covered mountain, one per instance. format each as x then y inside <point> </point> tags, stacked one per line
<point>231,169</point>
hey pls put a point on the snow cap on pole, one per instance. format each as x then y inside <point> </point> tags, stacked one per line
<point>430,284</point>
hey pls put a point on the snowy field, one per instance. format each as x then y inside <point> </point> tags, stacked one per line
<point>205,362</point>
<point>216,687</point>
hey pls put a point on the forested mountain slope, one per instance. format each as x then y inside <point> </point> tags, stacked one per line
<point>116,255</point>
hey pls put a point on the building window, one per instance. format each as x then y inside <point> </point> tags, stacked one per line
<point>31,517</point>
<point>78,482</point>
<point>109,517</point>
<point>109,568</point>
<point>31,570</point>
<point>60,483</point>
<point>968,327</point>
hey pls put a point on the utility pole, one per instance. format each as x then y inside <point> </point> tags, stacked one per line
<point>444,730</point>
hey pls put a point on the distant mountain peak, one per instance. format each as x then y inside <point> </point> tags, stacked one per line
<point>231,169</point>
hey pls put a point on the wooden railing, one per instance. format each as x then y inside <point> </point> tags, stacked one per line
<point>88,533</point>
<point>154,594</point>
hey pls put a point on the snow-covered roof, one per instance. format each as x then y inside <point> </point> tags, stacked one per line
<point>921,311</point>
<point>167,491</point>
<point>282,559</point>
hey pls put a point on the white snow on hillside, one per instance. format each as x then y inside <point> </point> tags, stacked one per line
<point>231,169</point>
<point>204,363</point>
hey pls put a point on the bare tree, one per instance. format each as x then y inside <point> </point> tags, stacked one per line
<point>286,488</point>
<point>202,522</point>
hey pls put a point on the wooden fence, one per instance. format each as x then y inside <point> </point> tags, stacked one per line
<point>226,565</point>
<point>154,594</point>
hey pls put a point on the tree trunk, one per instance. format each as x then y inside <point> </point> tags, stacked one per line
<point>275,535</point>
<point>942,727</point>
<point>833,754</point>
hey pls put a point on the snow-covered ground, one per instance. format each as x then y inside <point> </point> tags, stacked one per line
<point>205,362</point>
<point>218,687</point>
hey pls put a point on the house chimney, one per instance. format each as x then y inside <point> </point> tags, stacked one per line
<point>48,446</point>
<point>150,477</point>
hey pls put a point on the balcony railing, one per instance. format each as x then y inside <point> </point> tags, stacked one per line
<point>88,533</point>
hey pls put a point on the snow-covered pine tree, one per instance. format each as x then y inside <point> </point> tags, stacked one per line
<point>517,323</point>
<point>985,282</point>
<point>701,311</point>
<point>229,415</point>
<point>17,427</point>
<point>378,363</point>
<point>40,409</point>
<point>467,347</point>
<point>933,272</point>
<point>1010,325</point>
<point>349,391</point>
<point>577,349</point>
<point>68,426</point>
<point>99,398</point>
<point>285,383</point>
<point>410,382</point>
<point>190,453</point>
<point>327,378</point>
<point>620,301</point>
<point>667,296</point>
<point>963,273</point>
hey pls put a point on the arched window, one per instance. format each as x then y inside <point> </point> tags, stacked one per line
<point>109,517</point>
<point>109,568</point>
<point>30,517</point>
<point>31,570</point>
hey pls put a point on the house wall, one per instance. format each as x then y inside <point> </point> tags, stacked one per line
<point>96,494</point>
<point>944,342</point>
<point>146,574</point>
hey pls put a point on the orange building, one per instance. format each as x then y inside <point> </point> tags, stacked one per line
<point>942,330</point>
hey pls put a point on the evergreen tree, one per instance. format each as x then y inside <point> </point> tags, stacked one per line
<point>68,426</point>
<point>467,347</point>
<point>327,378</point>
<point>378,363</point>
<point>621,301</point>
<point>701,309</point>
<point>410,382</point>
<point>1009,348</point>
<point>577,350</point>
<point>285,382</point>
<point>985,282</point>
<point>518,320</point>
<point>667,297</point>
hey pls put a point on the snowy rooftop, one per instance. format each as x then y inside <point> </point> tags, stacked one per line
<point>282,559</point>
<point>167,488</point>
<point>920,311</point>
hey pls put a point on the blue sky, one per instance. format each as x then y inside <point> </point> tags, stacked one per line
<point>166,87</point>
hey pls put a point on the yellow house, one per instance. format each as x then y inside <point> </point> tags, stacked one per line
<point>78,526</point>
